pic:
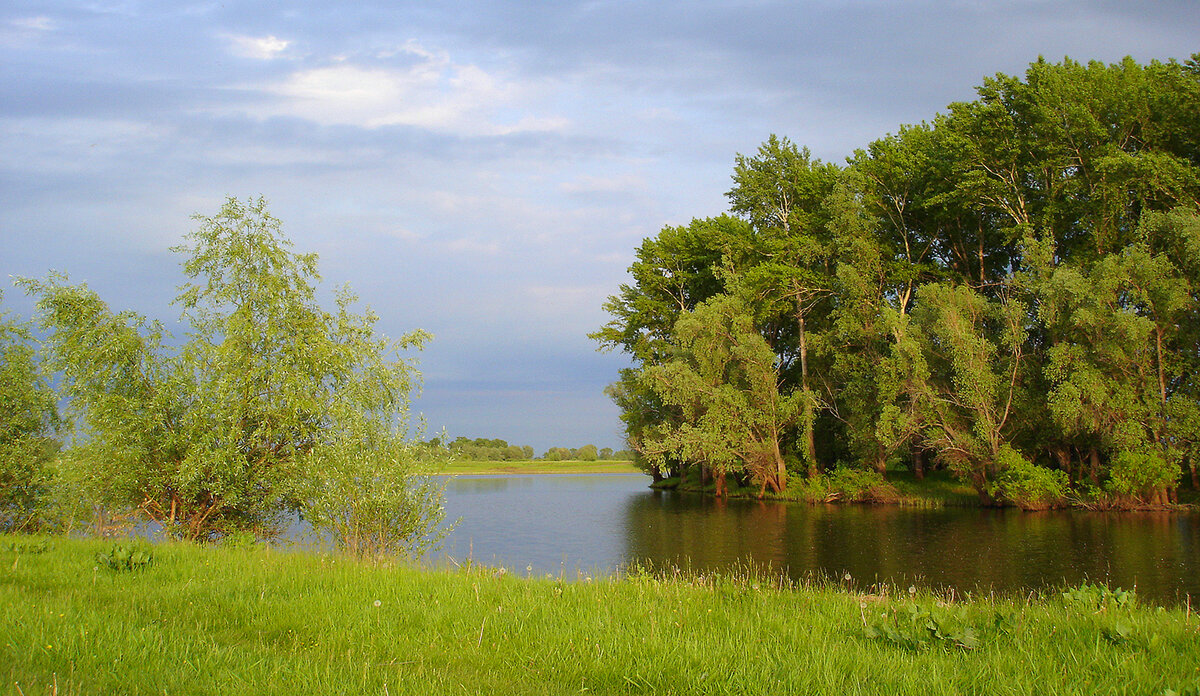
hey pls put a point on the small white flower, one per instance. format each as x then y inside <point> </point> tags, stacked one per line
<point>912,589</point>
<point>378,603</point>
<point>846,577</point>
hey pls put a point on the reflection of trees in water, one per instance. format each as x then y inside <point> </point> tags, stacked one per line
<point>969,549</point>
<point>468,485</point>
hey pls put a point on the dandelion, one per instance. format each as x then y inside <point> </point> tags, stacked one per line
<point>912,589</point>
<point>846,577</point>
<point>378,603</point>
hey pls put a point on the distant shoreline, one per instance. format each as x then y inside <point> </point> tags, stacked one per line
<point>538,467</point>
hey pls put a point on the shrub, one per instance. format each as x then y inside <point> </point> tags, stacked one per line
<point>1027,485</point>
<point>857,486</point>
<point>373,498</point>
<point>1140,473</point>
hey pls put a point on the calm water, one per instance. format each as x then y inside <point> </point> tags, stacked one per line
<point>598,523</point>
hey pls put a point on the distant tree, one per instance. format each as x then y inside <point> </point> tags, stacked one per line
<point>587,453</point>
<point>606,453</point>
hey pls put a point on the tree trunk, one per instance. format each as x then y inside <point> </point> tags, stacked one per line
<point>1064,461</point>
<point>721,491</point>
<point>1094,466</point>
<point>810,444</point>
<point>918,463</point>
<point>780,467</point>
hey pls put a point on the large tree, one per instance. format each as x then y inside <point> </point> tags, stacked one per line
<point>214,436</point>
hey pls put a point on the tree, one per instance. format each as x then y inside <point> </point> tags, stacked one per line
<point>974,351</point>
<point>782,192</point>
<point>28,421</point>
<point>216,436</point>
<point>724,378</point>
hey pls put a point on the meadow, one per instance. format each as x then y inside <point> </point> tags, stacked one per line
<point>85,616</point>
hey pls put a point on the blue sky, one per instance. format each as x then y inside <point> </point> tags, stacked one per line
<point>482,170</point>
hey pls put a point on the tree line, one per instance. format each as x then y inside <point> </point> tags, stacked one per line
<point>482,449</point>
<point>1009,291</point>
<point>269,405</point>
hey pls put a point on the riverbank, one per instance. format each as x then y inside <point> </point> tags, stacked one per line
<point>935,489</point>
<point>201,620</point>
<point>539,466</point>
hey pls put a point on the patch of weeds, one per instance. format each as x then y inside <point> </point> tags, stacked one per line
<point>27,547</point>
<point>1099,597</point>
<point>126,556</point>
<point>920,628</point>
<point>1193,690</point>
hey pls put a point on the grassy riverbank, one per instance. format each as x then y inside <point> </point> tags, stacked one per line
<point>538,466</point>
<point>214,620</point>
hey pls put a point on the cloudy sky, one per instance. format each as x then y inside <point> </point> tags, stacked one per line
<point>482,170</point>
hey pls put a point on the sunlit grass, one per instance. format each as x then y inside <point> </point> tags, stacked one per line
<point>219,621</point>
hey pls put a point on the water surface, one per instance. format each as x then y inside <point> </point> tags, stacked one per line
<point>581,524</point>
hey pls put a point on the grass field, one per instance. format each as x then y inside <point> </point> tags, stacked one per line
<point>204,620</point>
<point>539,466</point>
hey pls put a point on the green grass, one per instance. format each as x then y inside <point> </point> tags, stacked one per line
<point>220,621</point>
<point>540,467</point>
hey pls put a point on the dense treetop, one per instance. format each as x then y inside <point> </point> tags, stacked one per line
<point>1009,291</point>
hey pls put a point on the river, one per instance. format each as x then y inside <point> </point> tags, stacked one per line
<point>579,525</point>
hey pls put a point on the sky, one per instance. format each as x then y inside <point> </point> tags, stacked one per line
<point>481,170</point>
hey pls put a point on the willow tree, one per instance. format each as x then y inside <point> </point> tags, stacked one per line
<point>28,421</point>
<point>724,378</point>
<point>213,437</point>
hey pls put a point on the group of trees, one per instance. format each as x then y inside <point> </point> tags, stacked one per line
<point>1010,291</point>
<point>482,449</point>
<point>271,405</point>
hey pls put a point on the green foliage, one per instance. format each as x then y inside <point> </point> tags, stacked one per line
<point>28,420</point>
<point>372,494</point>
<point>1092,597</point>
<point>852,485</point>
<point>211,439</point>
<point>126,556</point>
<point>1137,473</point>
<point>1018,275</point>
<point>920,628</point>
<point>725,382</point>
<point>1028,485</point>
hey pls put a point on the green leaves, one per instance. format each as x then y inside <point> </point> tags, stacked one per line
<point>919,628</point>
<point>211,438</point>
<point>126,556</point>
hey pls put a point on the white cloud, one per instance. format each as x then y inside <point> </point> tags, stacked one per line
<point>257,47</point>
<point>40,23</point>
<point>431,92</point>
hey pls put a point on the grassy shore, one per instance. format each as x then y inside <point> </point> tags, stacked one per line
<point>254,621</point>
<point>539,466</point>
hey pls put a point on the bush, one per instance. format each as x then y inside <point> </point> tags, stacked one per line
<point>373,497</point>
<point>1140,473</point>
<point>1027,485</point>
<point>853,485</point>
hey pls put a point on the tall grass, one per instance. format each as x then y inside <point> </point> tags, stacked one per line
<point>256,621</point>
